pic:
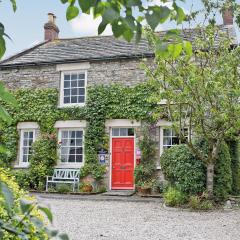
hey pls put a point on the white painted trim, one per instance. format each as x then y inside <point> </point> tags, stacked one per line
<point>61,95</point>
<point>71,124</point>
<point>67,164</point>
<point>110,158</point>
<point>73,66</point>
<point>122,123</point>
<point>164,123</point>
<point>27,125</point>
<point>21,163</point>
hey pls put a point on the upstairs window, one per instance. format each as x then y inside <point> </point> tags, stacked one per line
<point>73,88</point>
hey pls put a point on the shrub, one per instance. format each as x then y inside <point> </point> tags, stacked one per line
<point>174,197</point>
<point>234,148</point>
<point>181,168</point>
<point>42,160</point>
<point>63,188</point>
<point>9,180</point>
<point>23,178</point>
<point>223,174</point>
<point>194,202</point>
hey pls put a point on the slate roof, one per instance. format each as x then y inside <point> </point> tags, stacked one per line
<point>87,49</point>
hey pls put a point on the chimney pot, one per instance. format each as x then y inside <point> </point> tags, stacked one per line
<point>51,30</point>
<point>227,15</point>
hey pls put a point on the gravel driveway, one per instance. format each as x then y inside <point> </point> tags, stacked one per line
<point>117,220</point>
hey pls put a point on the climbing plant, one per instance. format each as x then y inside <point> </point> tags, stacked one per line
<point>104,102</point>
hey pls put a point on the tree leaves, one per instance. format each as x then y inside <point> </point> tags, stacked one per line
<point>121,15</point>
<point>8,196</point>
<point>72,12</point>
<point>47,212</point>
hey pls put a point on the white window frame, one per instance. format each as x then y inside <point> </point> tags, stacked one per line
<point>22,131</point>
<point>161,137</point>
<point>61,100</point>
<point>69,164</point>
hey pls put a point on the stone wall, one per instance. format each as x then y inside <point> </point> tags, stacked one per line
<point>125,72</point>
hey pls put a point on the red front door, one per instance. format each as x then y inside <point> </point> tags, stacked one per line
<point>122,163</point>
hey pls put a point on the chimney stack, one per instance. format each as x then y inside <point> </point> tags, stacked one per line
<point>227,15</point>
<point>50,28</point>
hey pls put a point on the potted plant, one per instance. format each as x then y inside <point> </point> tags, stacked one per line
<point>145,188</point>
<point>86,187</point>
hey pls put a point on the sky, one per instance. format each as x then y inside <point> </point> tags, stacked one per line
<point>25,26</point>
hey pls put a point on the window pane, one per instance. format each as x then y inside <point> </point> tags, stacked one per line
<point>81,83</point>
<point>73,83</point>
<point>81,76</point>
<point>25,158</point>
<point>30,134</point>
<point>64,134</point>
<point>64,158</point>
<point>115,132</point>
<point>123,131</point>
<point>66,84</point>
<point>167,132</point>
<point>25,135</point>
<point>74,77</point>
<point>79,150</point>
<point>79,134</point>
<point>66,100</point>
<point>79,158</point>
<point>81,99</point>
<point>130,131</point>
<point>25,150</point>
<point>71,158</point>
<point>175,140</point>
<point>167,141</point>
<point>64,150</point>
<point>81,91</point>
<point>66,77</point>
<point>25,142</point>
<point>74,91</point>
<point>79,142</point>
<point>73,99</point>
<point>66,92</point>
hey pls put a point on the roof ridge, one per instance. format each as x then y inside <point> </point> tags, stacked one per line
<point>19,54</point>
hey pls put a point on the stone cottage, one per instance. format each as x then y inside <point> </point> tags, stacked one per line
<point>72,66</point>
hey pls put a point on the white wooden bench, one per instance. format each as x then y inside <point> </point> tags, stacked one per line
<point>63,175</point>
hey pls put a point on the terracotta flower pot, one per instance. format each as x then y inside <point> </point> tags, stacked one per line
<point>144,190</point>
<point>87,188</point>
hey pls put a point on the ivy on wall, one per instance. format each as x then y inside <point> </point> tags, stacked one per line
<point>103,102</point>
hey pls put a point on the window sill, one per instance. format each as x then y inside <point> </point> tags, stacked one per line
<point>71,105</point>
<point>69,165</point>
<point>21,166</point>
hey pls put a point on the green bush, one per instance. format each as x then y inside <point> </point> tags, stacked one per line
<point>234,148</point>
<point>174,197</point>
<point>63,188</point>
<point>23,178</point>
<point>42,160</point>
<point>223,174</point>
<point>9,180</point>
<point>200,202</point>
<point>144,172</point>
<point>181,168</point>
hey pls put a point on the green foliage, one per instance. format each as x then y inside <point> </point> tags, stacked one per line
<point>181,168</point>
<point>119,14</point>
<point>174,197</point>
<point>234,148</point>
<point>223,174</point>
<point>20,216</point>
<point>144,172</point>
<point>43,160</point>
<point>63,188</point>
<point>23,178</point>
<point>200,202</point>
